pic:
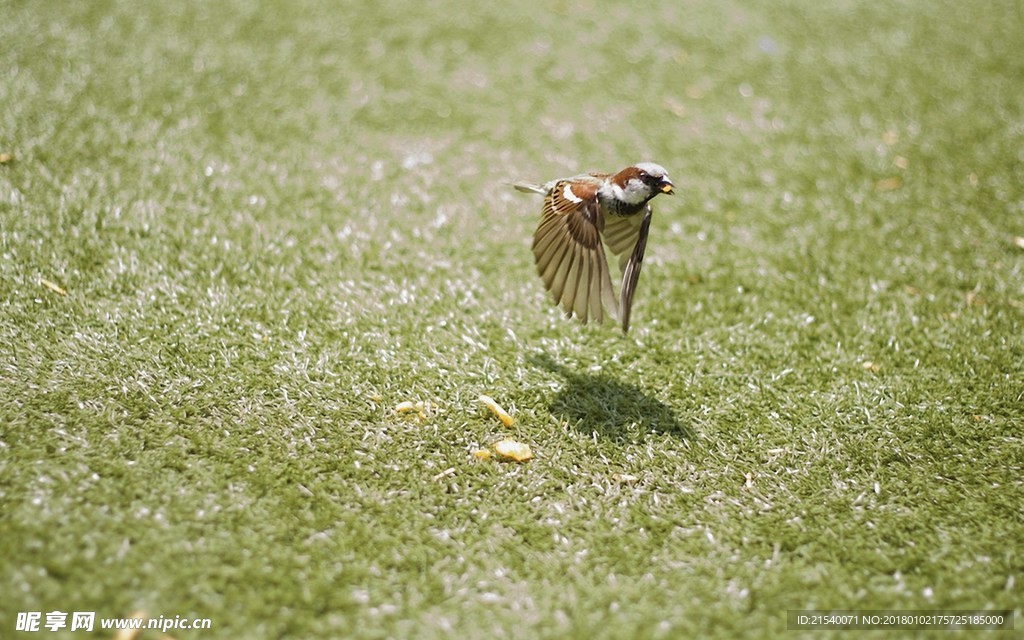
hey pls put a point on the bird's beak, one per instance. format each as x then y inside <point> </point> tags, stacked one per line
<point>668,188</point>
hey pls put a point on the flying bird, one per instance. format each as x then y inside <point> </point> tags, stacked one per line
<point>581,215</point>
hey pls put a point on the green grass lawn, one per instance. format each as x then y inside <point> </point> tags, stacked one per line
<point>235,236</point>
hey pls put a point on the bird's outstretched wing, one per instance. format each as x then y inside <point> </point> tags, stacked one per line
<point>568,251</point>
<point>627,238</point>
<point>621,234</point>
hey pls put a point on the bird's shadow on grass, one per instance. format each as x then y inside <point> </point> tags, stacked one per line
<point>610,407</point>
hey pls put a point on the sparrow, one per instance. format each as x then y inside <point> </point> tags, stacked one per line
<point>583,213</point>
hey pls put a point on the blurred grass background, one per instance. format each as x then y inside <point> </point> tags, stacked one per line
<point>267,224</point>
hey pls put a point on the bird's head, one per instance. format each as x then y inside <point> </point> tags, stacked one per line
<point>641,182</point>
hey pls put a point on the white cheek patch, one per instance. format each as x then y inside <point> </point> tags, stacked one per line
<point>569,195</point>
<point>634,193</point>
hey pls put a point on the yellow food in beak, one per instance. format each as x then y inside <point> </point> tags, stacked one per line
<point>668,188</point>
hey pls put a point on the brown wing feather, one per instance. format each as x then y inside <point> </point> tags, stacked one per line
<point>568,251</point>
<point>621,234</point>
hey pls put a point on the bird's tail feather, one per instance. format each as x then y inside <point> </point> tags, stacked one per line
<point>529,187</point>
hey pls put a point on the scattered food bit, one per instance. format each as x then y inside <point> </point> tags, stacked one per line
<point>625,478</point>
<point>889,184</point>
<point>1018,241</point>
<point>6,158</point>
<point>53,286</point>
<point>512,450</point>
<point>901,162</point>
<point>748,480</point>
<point>891,137</point>
<point>871,366</point>
<point>973,179</point>
<point>420,408</point>
<point>489,402</point>
<point>482,454</point>
<point>405,407</point>
<point>375,397</point>
<point>450,471</point>
<point>912,290</point>
<point>132,634</point>
<point>972,299</point>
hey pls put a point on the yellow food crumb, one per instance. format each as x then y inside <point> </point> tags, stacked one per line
<point>419,408</point>
<point>503,415</point>
<point>405,407</point>
<point>889,184</point>
<point>131,634</point>
<point>512,450</point>
<point>53,286</point>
